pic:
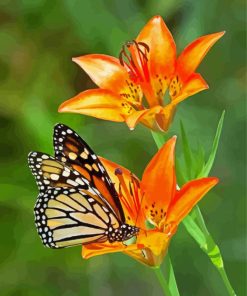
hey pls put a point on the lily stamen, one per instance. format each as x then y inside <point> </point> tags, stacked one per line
<point>129,65</point>
<point>135,59</point>
<point>122,184</point>
<point>125,192</point>
<point>143,57</point>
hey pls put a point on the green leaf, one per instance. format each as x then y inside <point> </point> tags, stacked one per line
<point>171,277</point>
<point>199,160</point>
<point>200,220</point>
<point>195,231</point>
<point>180,169</point>
<point>186,151</point>
<point>159,138</point>
<point>206,169</point>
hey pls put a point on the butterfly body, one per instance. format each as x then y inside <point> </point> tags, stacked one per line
<point>77,202</point>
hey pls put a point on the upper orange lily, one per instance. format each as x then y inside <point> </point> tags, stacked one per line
<point>155,200</point>
<point>148,67</point>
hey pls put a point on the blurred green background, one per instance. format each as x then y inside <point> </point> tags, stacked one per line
<point>38,40</point>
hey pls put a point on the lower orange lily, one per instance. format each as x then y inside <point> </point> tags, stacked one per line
<point>154,200</point>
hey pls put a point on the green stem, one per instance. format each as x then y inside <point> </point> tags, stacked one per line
<point>213,251</point>
<point>162,281</point>
<point>226,281</point>
<point>171,277</point>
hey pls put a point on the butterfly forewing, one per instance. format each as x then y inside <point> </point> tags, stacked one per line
<point>50,172</point>
<point>72,150</point>
<point>66,217</point>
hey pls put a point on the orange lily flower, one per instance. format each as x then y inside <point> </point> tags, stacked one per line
<point>154,199</point>
<point>147,66</point>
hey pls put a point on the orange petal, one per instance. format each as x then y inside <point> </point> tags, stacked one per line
<point>108,73</point>
<point>155,247</point>
<point>164,118</point>
<point>193,54</point>
<point>104,70</point>
<point>192,86</point>
<point>135,117</point>
<point>99,103</point>
<point>156,118</point>
<point>187,197</point>
<point>162,55</point>
<point>161,45</point>
<point>159,183</point>
<point>130,195</point>
<point>97,249</point>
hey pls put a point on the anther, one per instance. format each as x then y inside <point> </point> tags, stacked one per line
<point>138,70</point>
<point>118,171</point>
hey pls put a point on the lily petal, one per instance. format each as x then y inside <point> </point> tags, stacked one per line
<point>164,118</point>
<point>162,56</point>
<point>194,53</point>
<point>188,197</point>
<point>192,86</point>
<point>99,103</point>
<point>135,117</point>
<point>97,249</point>
<point>107,72</point>
<point>156,118</point>
<point>128,188</point>
<point>159,183</point>
<point>147,117</point>
<point>155,245</point>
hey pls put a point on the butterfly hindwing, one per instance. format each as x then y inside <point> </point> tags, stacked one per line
<point>72,150</point>
<point>66,217</point>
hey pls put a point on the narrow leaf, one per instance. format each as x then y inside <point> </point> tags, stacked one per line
<point>206,169</point>
<point>186,151</point>
<point>171,277</point>
<point>180,169</point>
<point>195,231</point>
<point>159,138</point>
<point>199,160</point>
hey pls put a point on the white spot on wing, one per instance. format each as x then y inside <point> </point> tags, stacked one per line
<point>71,182</point>
<point>54,177</point>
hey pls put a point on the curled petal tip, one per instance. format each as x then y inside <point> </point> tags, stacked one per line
<point>215,37</point>
<point>80,60</point>
<point>218,35</point>
<point>76,60</point>
<point>62,108</point>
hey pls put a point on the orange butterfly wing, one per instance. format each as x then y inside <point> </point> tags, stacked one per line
<point>72,150</point>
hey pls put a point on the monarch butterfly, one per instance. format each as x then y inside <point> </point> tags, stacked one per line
<point>77,201</point>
